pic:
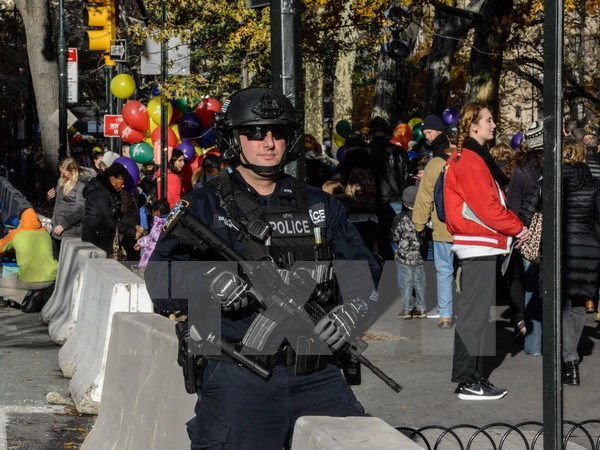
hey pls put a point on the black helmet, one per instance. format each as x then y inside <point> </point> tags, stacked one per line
<point>256,106</point>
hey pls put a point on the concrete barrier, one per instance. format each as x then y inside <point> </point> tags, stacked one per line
<point>348,433</point>
<point>12,200</point>
<point>61,309</point>
<point>144,404</point>
<point>106,288</point>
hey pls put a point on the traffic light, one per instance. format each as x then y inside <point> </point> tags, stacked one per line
<point>100,18</point>
<point>404,31</point>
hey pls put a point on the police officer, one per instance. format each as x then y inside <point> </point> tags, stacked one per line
<point>258,133</point>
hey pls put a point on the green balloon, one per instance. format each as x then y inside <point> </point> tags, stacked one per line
<point>417,132</point>
<point>182,105</point>
<point>141,153</point>
<point>343,128</point>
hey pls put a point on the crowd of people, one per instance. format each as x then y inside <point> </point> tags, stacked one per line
<point>469,206</point>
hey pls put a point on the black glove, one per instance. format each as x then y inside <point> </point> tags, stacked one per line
<point>229,289</point>
<point>342,323</point>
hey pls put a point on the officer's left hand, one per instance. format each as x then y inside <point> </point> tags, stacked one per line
<point>338,326</point>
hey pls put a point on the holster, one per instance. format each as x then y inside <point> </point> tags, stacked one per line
<point>193,365</point>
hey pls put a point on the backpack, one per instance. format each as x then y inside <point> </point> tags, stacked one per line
<point>438,191</point>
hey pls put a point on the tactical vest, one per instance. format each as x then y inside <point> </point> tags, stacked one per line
<point>296,229</point>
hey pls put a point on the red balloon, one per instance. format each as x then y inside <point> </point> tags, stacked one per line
<point>171,137</point>
<point>213,151</point>
<point>135,115</point>
<point>196,163</point>
<point>129,135</point>
<point>403,133</point>
<point>175,116</point>
<point>206,109</point>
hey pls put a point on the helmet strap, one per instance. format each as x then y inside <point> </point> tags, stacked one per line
<point>263,171</point>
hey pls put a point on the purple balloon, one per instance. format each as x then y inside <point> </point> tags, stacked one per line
<point>189,152</point>
<point>190,126</point>
<point>207,137</point>
<point>450,116</point>
<point>134,172</point>
<point>516,140</point>
<point>341,153</point>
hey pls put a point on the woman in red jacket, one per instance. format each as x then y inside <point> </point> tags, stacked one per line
<point>482,228</point>
<point>175,189</point>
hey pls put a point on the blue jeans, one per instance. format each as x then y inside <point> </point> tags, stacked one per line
<point>533,309</point>
<point>444,266</point>
<point>409,278</point>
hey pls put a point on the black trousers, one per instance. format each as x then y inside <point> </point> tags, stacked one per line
<point>474,337</point>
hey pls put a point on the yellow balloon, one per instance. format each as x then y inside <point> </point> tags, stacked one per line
<point>154,107</point>
<point>175,129</point>
<point>338,140</point>
<point>414,121</point>
<point>122,86</point>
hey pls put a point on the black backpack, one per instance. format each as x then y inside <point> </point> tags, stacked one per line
<point>438,191</point>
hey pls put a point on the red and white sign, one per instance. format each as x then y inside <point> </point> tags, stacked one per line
<point>111,124</point>
<point>72,76</point>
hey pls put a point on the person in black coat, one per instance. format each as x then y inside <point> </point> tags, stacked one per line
<point>581,248</point>
<point>103,210</point>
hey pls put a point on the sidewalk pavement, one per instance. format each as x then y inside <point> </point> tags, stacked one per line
<point>416,353</point>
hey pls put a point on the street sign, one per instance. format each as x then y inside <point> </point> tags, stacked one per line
<point>111,124</point>
<point>72,76</point>
<point>117,50</point>
<point>258,3</point>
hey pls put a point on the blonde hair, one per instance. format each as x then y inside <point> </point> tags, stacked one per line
<point>501,152</point>
<point>469,115</point>
<point>333,187</point>
<point>72,166</point>
<point>573,151</point>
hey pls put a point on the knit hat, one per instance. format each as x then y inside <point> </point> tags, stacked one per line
<point>534,136</point>
<point>378,123</point>
<point>433,122</point>
<point>409,195</point>
<point>580,133</point>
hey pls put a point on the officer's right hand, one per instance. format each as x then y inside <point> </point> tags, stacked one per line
<point>229,289</point>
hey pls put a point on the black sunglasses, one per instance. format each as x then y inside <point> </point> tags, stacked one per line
<point>259,132</point>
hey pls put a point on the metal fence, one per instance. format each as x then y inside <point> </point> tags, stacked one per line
<point>496,436</point>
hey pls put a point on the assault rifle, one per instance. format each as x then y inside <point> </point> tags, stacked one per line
<point>279,305</point>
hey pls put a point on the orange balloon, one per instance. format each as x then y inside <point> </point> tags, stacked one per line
<point>402,133</point>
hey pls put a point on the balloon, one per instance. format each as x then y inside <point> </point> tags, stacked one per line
<point>402,131</point>
<point>142,153</point>
<point>450,116</point>
<point>396,142</point>
<point>414,121</point>
<point>207,139</point>
<point>417,132</point>
<point>135,115</point>
<point>175,129</point>
<point>343,128</point>
<point>340,155</point>
<point>190,126</point>
<point>171,137</point>
<point>122,85</point>
<point>155,91</point>
<point>206,109</point>
<point>189,152</point>
<point>133,170</point>
<point>412,155</point>
<point>154,108</point>
<point>129,135</point>
<point>196,163</point>
<point>516,140</point>
<point>175,116</point>
<point>182,105</point>
<point>213,151</point>
<point>338,140</point>
<point>157,150</point>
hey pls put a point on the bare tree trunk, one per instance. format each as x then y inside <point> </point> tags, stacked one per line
<point>450,30</point>
<point>43,65</point>
<point>485,65</point>
<point>344,68</point>
<point>385,86</point>
<point>313,100</point>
